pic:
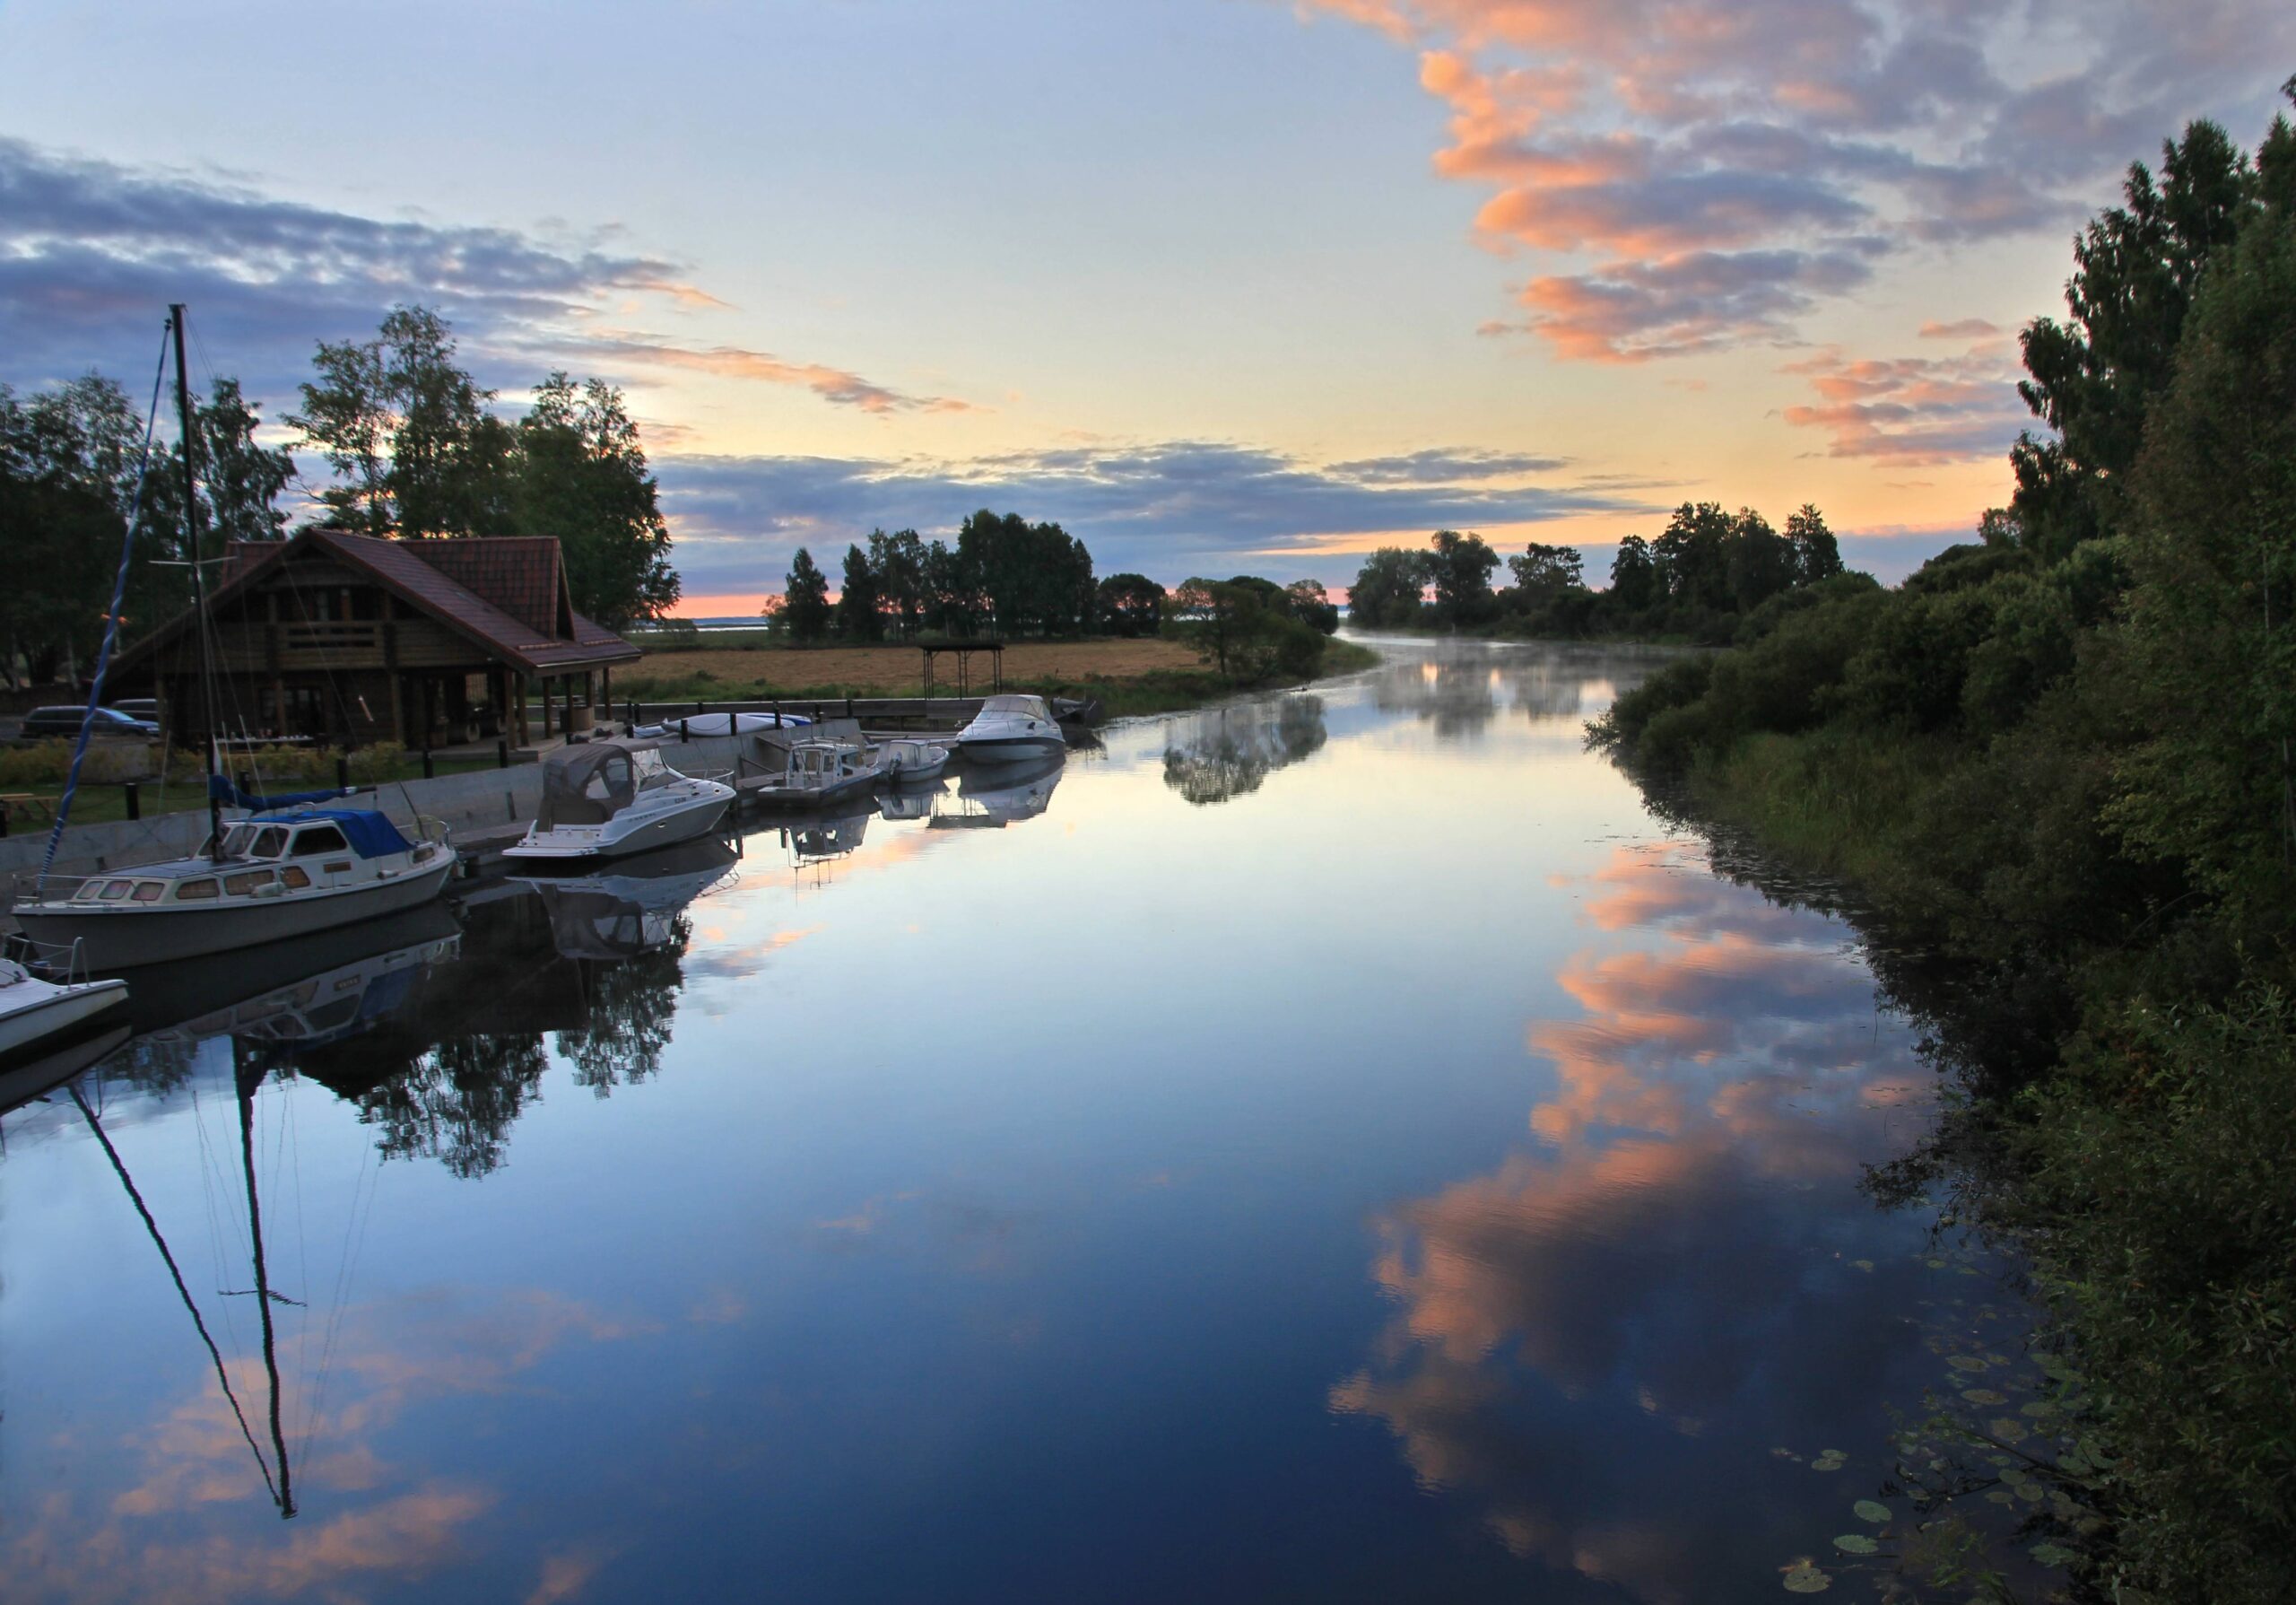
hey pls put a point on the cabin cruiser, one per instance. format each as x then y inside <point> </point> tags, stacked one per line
<point>912,762</point>
<point>35,1012</point>
<point>602,800</point>
<point>1012,730</point>
<point>822,772</point>
<point>270,877</point>
<point>993,798</point>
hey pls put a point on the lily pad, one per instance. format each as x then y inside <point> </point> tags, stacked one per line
<point>1831,1461</point>
<point>2052,1555</point>
<point>1871,1510</point>
<point>1984,1396</point>
<point>1966,1362</point>
<point>1862,1264</point>
<point>2037,1407</point>
<point>2008,1429</point>
<point>2000,1496</point>
<point>1856,1543</point>
<point>1802,1578</point>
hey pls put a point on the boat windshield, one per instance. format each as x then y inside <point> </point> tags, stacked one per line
<point>1028,707</point>
<point>249,842</point>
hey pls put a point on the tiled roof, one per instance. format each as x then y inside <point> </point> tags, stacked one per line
<point>506,595</point>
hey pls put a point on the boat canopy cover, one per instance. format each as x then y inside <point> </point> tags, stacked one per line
<point>221,789</point>
<point>1032,706</point>
<point>369,834</point>
<point>590,784</point>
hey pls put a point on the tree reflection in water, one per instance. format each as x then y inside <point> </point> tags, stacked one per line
<point>1230,751</point>
<point>627,1020</point>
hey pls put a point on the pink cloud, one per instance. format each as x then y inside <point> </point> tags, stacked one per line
<point>1913,411</point>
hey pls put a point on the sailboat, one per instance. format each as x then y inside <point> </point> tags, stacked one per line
<point>296,865</point>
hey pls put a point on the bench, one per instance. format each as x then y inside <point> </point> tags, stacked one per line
<point>24,805</point>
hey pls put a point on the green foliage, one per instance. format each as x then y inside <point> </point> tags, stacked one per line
<point>418,449</point>
<point>1246,629</point>
<point>1129,605</point>
<point>1459,569</point>
<point>805,605</point>
<point>2161,1162</point>
<point>1035,579</point>
<point>860,599</point>
<point>898,562</point>
<point>1389,589</point>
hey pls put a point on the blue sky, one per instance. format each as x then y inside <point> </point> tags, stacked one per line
<point>1172,273</point>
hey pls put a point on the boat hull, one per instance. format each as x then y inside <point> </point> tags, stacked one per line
<point>815,799</point>
<point>1013,749</point>
<point>28,1031</point>
<point>665,830</point>
<point>47,1066</point>
<point>125,938</point>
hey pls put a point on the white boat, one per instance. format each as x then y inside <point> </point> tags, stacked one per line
<point>272,876</point>
<point>603,800</point>
<point>36,1013</point>
<point>912,762</point>
<point>718,724</point>
<point>1012,730</point>
<point>820,774</point>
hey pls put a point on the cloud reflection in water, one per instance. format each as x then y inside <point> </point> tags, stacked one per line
<point>1600,1342</point>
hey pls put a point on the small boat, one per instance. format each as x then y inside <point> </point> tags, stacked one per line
<point>1012,730</point>
<point>37,1013</point>
<point>717,724</point>
<point>605,799</point>
<point>912,762</point>
<point>820,774</point>
<point>271,877</point>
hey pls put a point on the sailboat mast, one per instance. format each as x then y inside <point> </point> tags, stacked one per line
<point>199,582</point>
<point>263,1281</point>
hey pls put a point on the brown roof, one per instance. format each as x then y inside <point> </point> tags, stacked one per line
<point>506,595</point>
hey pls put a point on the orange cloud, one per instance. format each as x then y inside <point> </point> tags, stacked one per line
<point>837,386</point>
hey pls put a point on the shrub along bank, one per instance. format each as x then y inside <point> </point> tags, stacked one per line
<point>2064,755</point>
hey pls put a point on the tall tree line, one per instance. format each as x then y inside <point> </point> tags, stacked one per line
<point>1003,574</point>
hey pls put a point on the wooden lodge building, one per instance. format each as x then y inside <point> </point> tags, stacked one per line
<point>348,639</point>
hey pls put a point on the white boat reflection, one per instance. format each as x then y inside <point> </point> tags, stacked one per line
<point>992,798</point>
<point>319,989</point>
<point>634,908</point>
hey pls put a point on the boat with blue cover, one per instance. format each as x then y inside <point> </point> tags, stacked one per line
<point>295,866</point>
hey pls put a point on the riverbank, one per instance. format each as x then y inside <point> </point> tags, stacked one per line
<point>1128,677</point>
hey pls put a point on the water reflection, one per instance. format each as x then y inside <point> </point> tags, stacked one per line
<point>1230,750</point>
<point>999,1187</point>
<point>1587,1337</point>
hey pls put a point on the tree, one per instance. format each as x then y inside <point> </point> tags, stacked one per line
<point>2092,378</point>
<point>1816,553</point>
<point>1460,570</point>
<point>1389,589</point>
<point>1693,555</point>
<point>582,476</point>
<point>347,416</point>
<point>1635,581</point>
<point>1312,607</point>
<point>1129,605</point>
<point>898,561</point>
<point>1244,629</point>
<point>1759,563</point>
<point>1541,572</point>
<point>858,618</point>
<point>2210,637</point>
<point>806,599</point>
<point>241,481</point>
<point>1035,578</point>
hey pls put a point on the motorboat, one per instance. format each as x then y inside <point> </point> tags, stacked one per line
<point>606,799</point>
<point>269,877</point>
<point>36,1013</point>
<point>820,773</point>
<point>1012,730</point>
<point>912,762</point>
<point>718,724</point>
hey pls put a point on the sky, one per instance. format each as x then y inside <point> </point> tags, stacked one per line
<point>1220,286</point>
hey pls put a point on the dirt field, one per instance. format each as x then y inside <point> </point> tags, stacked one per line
<point>894,669</point>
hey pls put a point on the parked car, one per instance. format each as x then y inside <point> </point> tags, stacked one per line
<point>145,708</point>
<point>63,723</point>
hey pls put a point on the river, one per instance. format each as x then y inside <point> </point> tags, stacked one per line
<point>1342,1146</point>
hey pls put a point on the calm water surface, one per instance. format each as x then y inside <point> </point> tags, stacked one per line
<point>1341,1147</point>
